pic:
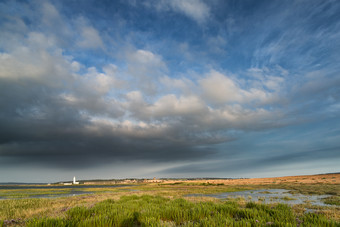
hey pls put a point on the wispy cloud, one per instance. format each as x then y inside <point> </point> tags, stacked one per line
<point>196,10</point>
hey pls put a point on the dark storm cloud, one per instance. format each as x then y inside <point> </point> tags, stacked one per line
<point>39,127</point>
<point>88,152</point>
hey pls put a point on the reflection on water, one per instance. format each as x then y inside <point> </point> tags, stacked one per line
<point>8,187</point>
<point>72,193</point>
<point>49,195</point>
<point>76,190</point>
<point>271,196</point>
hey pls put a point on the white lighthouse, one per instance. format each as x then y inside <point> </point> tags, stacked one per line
<point>74,180</point>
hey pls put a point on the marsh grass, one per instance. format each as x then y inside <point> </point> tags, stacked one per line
<point>165,205</point>
<point>24,193</point>
<point>332,200</point>
<point>261,199</point>
<point>287,198</point>
<point>28,208</point>
<point>265,192</point>
<point>192,188</point>
<point>147,210</point>
<point>307,189</point>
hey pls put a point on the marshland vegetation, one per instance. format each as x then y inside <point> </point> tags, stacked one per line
<point>167,204</point>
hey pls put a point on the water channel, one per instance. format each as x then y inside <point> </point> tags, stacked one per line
<point>268,196</point>
<point>28,191</point>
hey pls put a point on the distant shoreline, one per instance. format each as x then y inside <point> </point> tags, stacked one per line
<point>172,180</point>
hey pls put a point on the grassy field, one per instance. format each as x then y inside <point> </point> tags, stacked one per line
<point>165,204</point>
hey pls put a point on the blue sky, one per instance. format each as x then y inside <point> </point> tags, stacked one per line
<point>192,88</point>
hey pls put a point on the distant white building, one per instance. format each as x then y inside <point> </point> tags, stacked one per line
<point>74,180</point>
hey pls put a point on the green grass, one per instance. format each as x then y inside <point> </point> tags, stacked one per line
<point>287,198</point>
<point>149,210</point>
<point>332,200</point>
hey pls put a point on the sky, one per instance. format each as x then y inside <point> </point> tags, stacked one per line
<point>168,88</point>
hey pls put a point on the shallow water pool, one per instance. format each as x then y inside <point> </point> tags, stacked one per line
<point>268,196</point>
<point>23,192</point>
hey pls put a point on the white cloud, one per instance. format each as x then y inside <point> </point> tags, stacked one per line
<point>98,83</point>
<point>75,66</point>
<point>146,58</point>
<point>89,36</point>
<point>126,128</point>
<point>182,85</point>
<point>196,10</point>
<point>144,68</point>
<point>54,24</point>
<point>30,59</point>
<point>50,15</point>
<point>135,106</point>
<point>170,105</point>
<point>220,89</point>
<point>38,40</point>
<point>274,83</point>
<point>135,96</point>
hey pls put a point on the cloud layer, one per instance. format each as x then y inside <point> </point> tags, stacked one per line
<point>86,90</point>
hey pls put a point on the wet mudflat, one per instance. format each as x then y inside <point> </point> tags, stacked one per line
<point>268,196</point>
